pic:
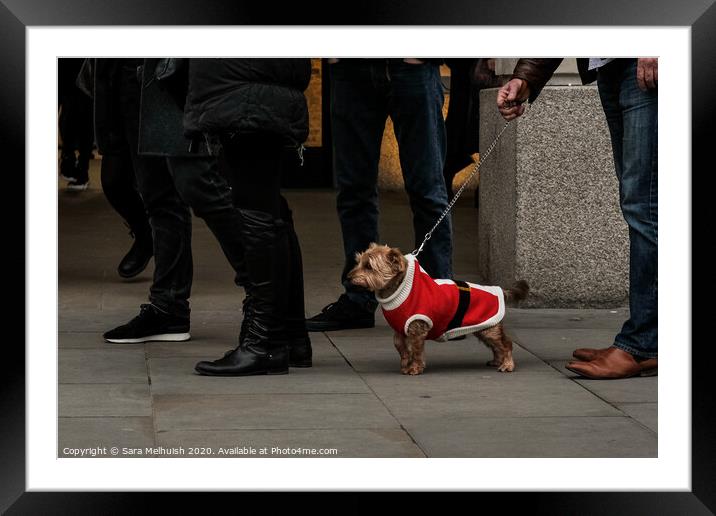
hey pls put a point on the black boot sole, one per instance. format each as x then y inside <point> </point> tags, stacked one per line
<point>303,363</point>
<point>259,373</point>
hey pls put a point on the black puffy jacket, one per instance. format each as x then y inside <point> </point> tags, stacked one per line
<point>248,96</point>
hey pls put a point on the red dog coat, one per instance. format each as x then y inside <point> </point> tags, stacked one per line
<point>438,303</point>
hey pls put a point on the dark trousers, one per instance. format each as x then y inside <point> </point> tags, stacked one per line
<point>168,187</point>
<point>253,165</point>
<point>119,185</point>
<point>77,133</point>
<point>364,93</point>
<point>632,119</point>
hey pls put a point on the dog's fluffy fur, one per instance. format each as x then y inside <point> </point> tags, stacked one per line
<point>381,269</point>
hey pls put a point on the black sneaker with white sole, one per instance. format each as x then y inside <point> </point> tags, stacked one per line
<point>151,325</point>
<point>77,186</point>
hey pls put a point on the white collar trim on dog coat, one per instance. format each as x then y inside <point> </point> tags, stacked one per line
<point>397,298</point>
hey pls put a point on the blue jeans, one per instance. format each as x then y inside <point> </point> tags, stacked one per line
<point>632,119</point>
<point>364,93</point>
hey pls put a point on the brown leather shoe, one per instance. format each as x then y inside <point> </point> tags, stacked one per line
<point>588,354</point>
<point>614,363</point>
<point>649,366</point>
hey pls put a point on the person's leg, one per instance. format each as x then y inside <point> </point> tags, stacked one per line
<point>254,160</point>
<point>167,315</point>
<point>638,184</point>
<point>170,221</point>
<point>68,159</point>
<point>76,131</point>
<point>415,106</point>
<point>120,189</point>
<point>632,118</point>
<point>85,134</point>
<point>169,216</point>
<point>457,156</point>
<point>358,115</point>
<point>300,351</point>
<point>205,190</point>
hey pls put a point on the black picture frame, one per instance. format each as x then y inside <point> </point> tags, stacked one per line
<point>16,15</point>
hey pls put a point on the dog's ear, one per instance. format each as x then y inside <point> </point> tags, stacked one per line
<point>357,256</point>
<point>395,258</point>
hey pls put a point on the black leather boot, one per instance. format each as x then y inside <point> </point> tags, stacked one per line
<point>142,250</point>
<point>263,348</point>
<point>252,357</point>
<point>300,351</point>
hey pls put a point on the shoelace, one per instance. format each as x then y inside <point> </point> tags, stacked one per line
<point>144,309</point>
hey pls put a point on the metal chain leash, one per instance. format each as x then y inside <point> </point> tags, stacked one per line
<point>483,157</point>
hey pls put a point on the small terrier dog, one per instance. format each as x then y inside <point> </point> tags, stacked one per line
<point>420,308</point>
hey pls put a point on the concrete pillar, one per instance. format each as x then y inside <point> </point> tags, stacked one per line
<point>566,75</point>
<point>549,209</point>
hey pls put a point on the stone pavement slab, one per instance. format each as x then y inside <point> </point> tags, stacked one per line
<point>474,436</point>
<point>328,375</point>
<point>644,413</point>
<point>83,321</point>
<point>84,432</point>
<point>90,340</point>
<point>93,399</point>
<point>270,411</point>
<point>627,390</point>
<point>485,395</point>
<point>566,318</point>
<point>348,442</point>
<point>553,345</point>
<point>102,366</point>
<point>80,300</point>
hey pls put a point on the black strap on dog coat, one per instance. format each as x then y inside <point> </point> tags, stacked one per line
<point>462,305</point>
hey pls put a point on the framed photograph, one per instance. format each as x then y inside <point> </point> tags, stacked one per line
<point>83,420</point>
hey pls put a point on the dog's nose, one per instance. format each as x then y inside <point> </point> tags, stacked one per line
<point>352,276</point>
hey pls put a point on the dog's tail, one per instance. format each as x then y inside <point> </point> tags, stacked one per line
<point>518,292</point>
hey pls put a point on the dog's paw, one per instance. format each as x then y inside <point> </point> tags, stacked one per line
<point>506,367</point>
<point>415,369</point>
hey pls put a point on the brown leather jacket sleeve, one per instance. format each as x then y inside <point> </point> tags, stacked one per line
<point>536,72</point>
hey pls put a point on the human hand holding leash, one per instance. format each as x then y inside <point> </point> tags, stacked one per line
<point>511,98</point>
